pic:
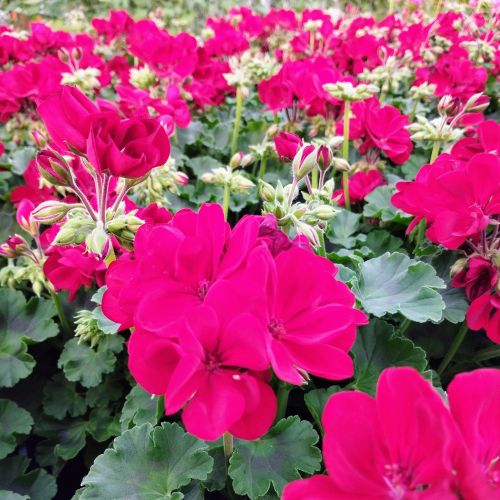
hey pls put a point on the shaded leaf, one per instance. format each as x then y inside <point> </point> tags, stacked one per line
<point>13,420</point>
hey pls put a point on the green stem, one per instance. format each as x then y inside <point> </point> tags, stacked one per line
<point>435,151</point>
<point>321,248</point>
<point>237,121</point>
<point>314,178</point>
<point>225,202</point>
<point>403,327</point>
<point>283,392</point>
<point>262,168</point>
<point>228,442</point>
<point>391,6</point>
<point>345,153</point>
<point>60,312</point>
<point>420,234</point>
<point>414,111</point>
<point>457,342</point>
<point>488,353</point>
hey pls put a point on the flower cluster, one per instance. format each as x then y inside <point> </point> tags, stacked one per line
<point>214,308</point>
<point>408,443</point>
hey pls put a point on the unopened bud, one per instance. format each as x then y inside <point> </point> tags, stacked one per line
<point>246,160</point>
<point>341,165</point>
<point>53,167</point>
<point>458,267</point>
<point>324,156</point>
<point>324,212</point>
<point>50,212</point>
<point>304,161</point>
<point>477,102</point>
<point>97,239</point>
<point>266,191</point>
<point>235,160</point>
<point>65,236</point>
<point>308,231</point>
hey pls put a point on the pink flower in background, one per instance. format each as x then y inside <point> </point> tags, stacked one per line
<point>487,140</point>
<point>478,278</point>
<point>452,197</point>
<point>361,184</point>
<point>287,145</point>
<point>484,313</point>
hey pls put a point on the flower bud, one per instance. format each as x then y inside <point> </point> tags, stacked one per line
<point>266,191</point>
<point>246,160</point>
<point>477,102</point>
<point>309,232</point>
<point>13,247</point>
<point>66,236</point>
<point>53,167</point>
<point>458,267</point>
<point>324,156</point>
<point>235,160</point>
<point>324,212</point>
<point>25,219</point>
<point>52,211</point>
<point>341,165</point>
<point>304,161</point>
<point>97,240</point>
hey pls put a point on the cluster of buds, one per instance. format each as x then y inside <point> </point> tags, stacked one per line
<point>249,69</point>
<point>161,180</point>
<point>346,91</point>
<point>445,128</point>
<point>21,128</point>
<point>229,177</point>
<point>437,45</point>
<point>142,78</point>
<point>480,51</point>
<point>80,222</point>
<point>308,218</point>
<point>391,74</point>
<point>423,92</point>
<point>25,262</point>
<point>87,327</point>
<point>86,79</point>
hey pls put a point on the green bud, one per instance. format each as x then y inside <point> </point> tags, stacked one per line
<point>266,191</point>
<point>97,239</point>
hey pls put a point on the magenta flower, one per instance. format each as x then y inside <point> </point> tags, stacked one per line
<point>308,317</point>
<point>287,145</point>
<point>402,444</point>
<point>361,184</point>
<point>473,399</point>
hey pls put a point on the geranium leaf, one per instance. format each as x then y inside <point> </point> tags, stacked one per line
<point>21,323</point>
<point>316,400</point>
<point>344,227</point>
<point>13,420</point>
<point>379,206</point>
<point>84,364</point>
<point>409,288</point>
<point>140,407</point>
<point>275,459</point>
<point>61,398</point>
<point>148,462</point>
<point>378,347</point>
<point>36,484</point>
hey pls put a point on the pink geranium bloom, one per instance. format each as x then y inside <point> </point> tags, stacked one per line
<point>287,145</point>
<point>474,403</point>
<point>308,318</point>
<point>487,140</point>
<point>401,444</point>
<point>361,184</point>
<point>453,197</point>
<point>175,266</point>
<point>484,313</point>
<point>479,277</point>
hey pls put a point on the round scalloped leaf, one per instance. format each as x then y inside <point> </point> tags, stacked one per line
<point>275,458</point>
<point>13,420</point>
<point>148,462</point>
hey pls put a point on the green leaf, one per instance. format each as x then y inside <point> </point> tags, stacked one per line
<point>65,438</point>
<point>36,484</point>
<point>103,424</point>
<point>13,420</point>
<point>203,164</point>
<point>147,462</point>
<point>380,241</point>
<point>316,400</point>
<point>10,495</point>
<point>379,206</point>
<point>20,159</point>
<point>21,323</point>
<point>61,398</point>
<point>140,408</point>
<point>275,459</point>
<point>408,287</point>
<point>377,347</point>
<point>81,363</point>
<point>344,227</point>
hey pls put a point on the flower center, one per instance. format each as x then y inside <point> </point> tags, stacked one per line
<point>212,361</point>
<point>202,289</point>
<point>398,480</point>
<point>276,329</point>
<point>493,472</point>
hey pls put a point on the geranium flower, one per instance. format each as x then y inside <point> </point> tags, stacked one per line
<point>308,318</point>
<point>361,184</point>
<point>452,197</point>
<point>405,445</point>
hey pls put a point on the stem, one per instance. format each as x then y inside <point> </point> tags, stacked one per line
<point>345,153</point>
<point>405,324</point>
<point>413,111</point>
<point>457,342</point>
<point>119,198</point>
<point>227,439</point>
<point>104,198</point>
<point>420,234</point>
<point>237,121</point>
<point>85,201</point>
<point>314,178</point>
<point>283,392</point>
<point>60,312</point>
<point>321,249</point>
<point>225,202</point>
<point>262,168</point>
<point>391,6</point>
<point>292,191</point>
<point>435,151</point>
<point>488,353</point>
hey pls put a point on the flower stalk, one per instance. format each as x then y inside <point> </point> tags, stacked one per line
<point>237,120</point>
<point>457,342</point>
<point>345,153</point>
